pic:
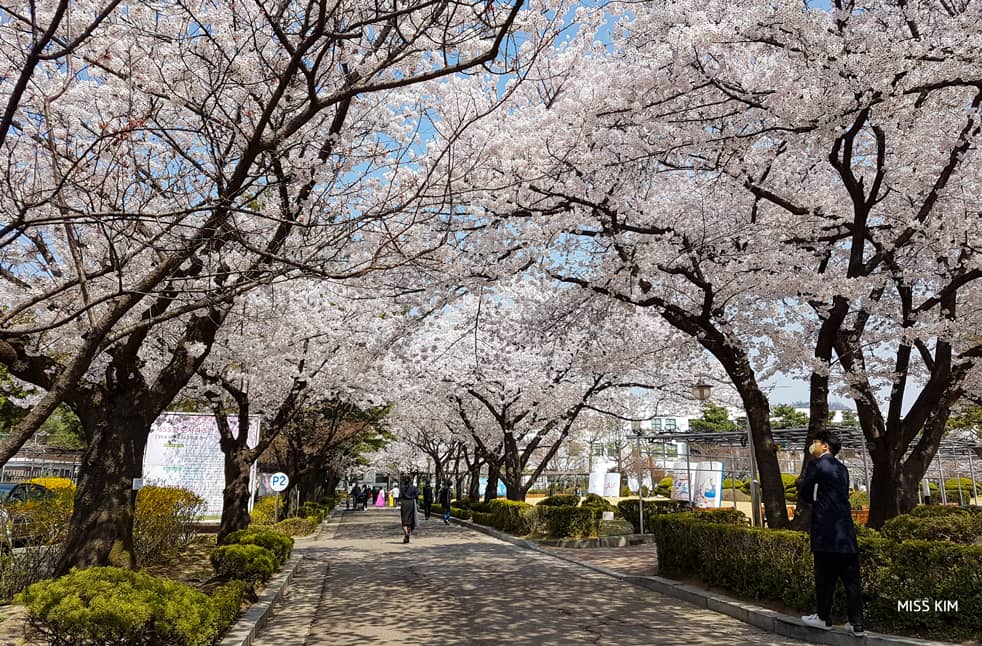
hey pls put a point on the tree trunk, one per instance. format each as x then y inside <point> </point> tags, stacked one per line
<point>491,490</point>
<point>884,491</point>
<point>235,496</point>
<point>771,485</point>
<point>100,531</point>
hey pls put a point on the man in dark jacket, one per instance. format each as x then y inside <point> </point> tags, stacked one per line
<point>833,535</point>
<point>427,500</point>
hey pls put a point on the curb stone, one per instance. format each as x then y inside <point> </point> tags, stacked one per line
<point>763,618</point>
<point>244,630</point>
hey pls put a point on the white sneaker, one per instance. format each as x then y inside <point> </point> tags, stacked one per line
<point>857,630</point>
<point>814,620</point>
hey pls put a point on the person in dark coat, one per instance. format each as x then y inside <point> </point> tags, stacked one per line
<point>445,496</point>
<point>825,486</point>
<point>408,495</point>
<point>427,499</point>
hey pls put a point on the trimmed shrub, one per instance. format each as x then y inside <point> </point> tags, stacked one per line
<point>510,516</point>
<point>560,500</point>
<point>722,515</point>
<point>565,522</point>
<point>951,490</point>
<point>730,483</point>
<point>163,522</point>
<point>790,482</point>
<point>664,487</point>
<point>463,514</point>
<point>652,508</point>
<point>598,502</point>
<point>931,511</point>
<point>228,602</point>
<point>955,527</point>
<point>296,526</point>
<point>107,606</point>
<point>483,518</point>
<point>314,510</point>
<point>483,507</point>
<point>279,544</point>
<point>250,563</point>
<point>776,565</point>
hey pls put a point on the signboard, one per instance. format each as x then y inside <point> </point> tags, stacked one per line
<point>279,481</point>
<point>706,485</point>
<point>183,451</point>
<point>596,483</point>
<point>612,484</point>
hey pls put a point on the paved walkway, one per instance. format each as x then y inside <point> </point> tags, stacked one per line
<point>361,585</point>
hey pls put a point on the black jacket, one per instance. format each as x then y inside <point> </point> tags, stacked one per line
<point>826,486</point>
<point>427,494</point>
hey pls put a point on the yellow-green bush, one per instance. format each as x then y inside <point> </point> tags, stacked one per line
<point>250,563</point>
<point>296,526</point>
<point>108,606</point>
<point>279,544</point>
<point>163,521</point>
<point>58,485</point>
<point>264,511</point>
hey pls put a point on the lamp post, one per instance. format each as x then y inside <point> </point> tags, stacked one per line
<point>636,428</point>
<point>701,391</point>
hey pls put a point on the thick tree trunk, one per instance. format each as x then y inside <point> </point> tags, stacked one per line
<point>885,492</point>
<point>491,490</point>
<point>771,485</point>
<point>235,496</point>
<point>331,483</point>
<point>100,531</point>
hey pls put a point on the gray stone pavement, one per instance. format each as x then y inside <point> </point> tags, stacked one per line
<point>359,584</point>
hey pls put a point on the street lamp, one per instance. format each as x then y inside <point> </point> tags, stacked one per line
<point>636,428</point>
<point>702,391</point>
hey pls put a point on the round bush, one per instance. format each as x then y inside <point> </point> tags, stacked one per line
<point>956,528</point>
<point>279,544</point>
<point>598,502</point>
<point>250,563</point>
<point>106,606</point>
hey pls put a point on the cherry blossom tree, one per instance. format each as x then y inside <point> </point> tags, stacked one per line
<point>523,362</point>
<point>175,158</point>
<point>794,188</point>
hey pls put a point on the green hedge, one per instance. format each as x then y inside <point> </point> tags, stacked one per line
<point>954,527</point>
<point>483,507</point>
<point>722,515</point>
<point>510,516</point>
<point>250,563</point>
<point>566,522</point>
<point>483,518</point>
<point>228,601</point>
<point>930,511</point>
<point>652,508</point>
<point>599,502</point>
<point>279,544</point>
<point>776,565</point>
<point>107,606</point>
<point>463,514</point>
<point>561,500</point>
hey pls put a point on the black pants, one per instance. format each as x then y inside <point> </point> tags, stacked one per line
<point>427,508</point>
<point>830,567</point>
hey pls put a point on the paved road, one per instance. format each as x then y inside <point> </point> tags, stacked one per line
<point>451,585</point>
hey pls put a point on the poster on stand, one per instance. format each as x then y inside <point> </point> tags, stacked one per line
<point>596,485</point>
<point>706,483</point>
<point>183,451</point>
<point>612,484</point>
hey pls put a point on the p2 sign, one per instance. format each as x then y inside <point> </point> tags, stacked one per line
<point>279,481</point>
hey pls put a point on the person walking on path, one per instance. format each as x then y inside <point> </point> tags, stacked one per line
<point>407,503</point>
<point>427,499</point>
<point>833,534</point>
<point>380,499</point>
<point>394,496</point>
<point>445,501</point>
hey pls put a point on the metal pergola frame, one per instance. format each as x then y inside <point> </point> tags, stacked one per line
<point>852,439</point>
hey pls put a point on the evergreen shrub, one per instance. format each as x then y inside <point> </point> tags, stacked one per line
<point>777,566</point>
<point>279,544</point>
<point>510,516</point>
<point>722,515</point>
<point>652,508</point>
<point>483,507</point>
<point>107,606</point>
<point>561,500</point>
<point>566,522</point>
<point>249,563</point>
<point>953,527</point>
<point>459,512</point>
<point>598,502</point>
<point>228,602</point>
<point>483,518</point>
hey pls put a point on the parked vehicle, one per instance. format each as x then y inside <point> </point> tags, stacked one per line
<point>19,505</point>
